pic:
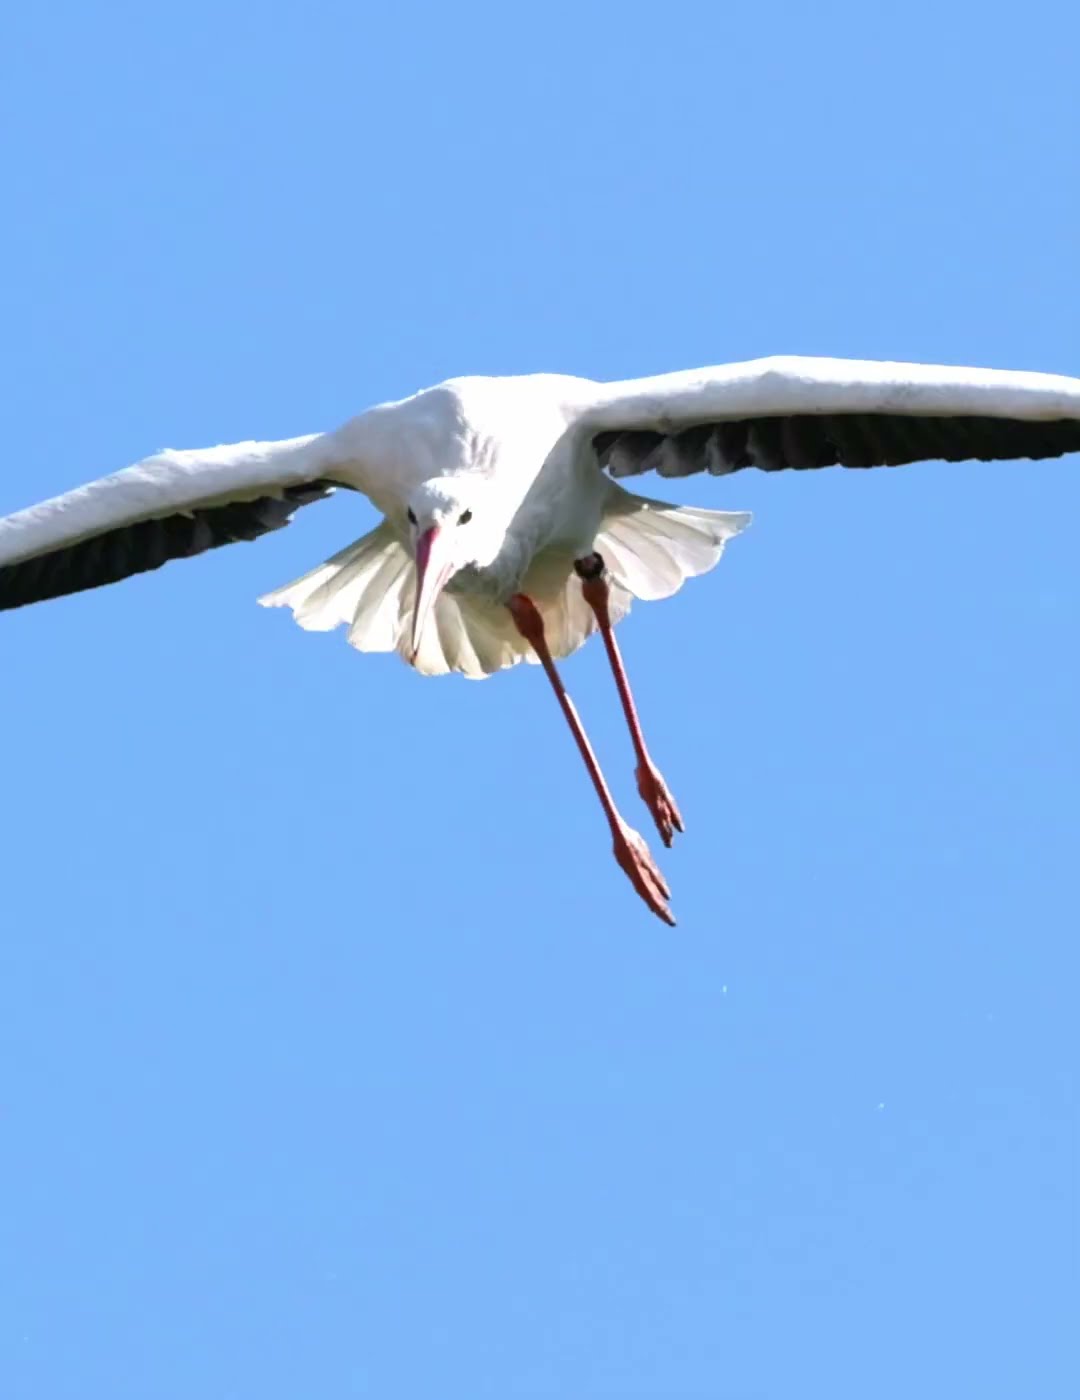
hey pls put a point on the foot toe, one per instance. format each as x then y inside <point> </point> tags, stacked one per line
<point>644,874</point>
<point>654,793</point>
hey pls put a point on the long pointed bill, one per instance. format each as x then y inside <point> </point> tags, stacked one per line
<point>432,572</point>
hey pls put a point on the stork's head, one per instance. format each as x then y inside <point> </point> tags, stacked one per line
<point>449,530</point>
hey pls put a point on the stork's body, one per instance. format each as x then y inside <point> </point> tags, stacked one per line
<point>505,439</point>
<point>505,537</point>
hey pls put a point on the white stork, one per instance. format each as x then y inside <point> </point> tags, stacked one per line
<point>505,536</point>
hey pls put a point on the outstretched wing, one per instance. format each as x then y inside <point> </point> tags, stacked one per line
<point>804,412</point>
<point>170,506</point>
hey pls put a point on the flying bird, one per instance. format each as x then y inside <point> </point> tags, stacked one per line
<point>505,534</point>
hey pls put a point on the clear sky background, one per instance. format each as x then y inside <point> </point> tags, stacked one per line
<point>338,1059</point>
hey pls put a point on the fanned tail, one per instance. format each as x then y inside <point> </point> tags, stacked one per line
<point>650,549</point>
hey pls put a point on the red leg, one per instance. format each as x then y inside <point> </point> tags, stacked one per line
<point>630,849</point>
<point>651,786</point>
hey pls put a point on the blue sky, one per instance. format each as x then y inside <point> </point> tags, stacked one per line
<point>336,1056</point>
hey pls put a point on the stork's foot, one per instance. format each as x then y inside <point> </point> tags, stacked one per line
<point>644,874</point>
<point>654,793</point>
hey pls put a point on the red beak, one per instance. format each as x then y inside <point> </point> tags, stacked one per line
<point>431,575</point>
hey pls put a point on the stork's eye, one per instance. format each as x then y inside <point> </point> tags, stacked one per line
<point>412,516</point>
<point>464,517</point>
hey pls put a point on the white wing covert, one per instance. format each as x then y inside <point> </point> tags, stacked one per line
<point>801,412</point>
<point>172,505</point>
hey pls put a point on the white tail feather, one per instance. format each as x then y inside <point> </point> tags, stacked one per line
<point>650,548</point>
<point>370,587</point>
<point>360,587</point>
<point>336,591</point>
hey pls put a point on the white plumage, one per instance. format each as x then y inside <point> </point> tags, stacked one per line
<point>370,587</point>
<point>527,448</point>
<point>505,536</point>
